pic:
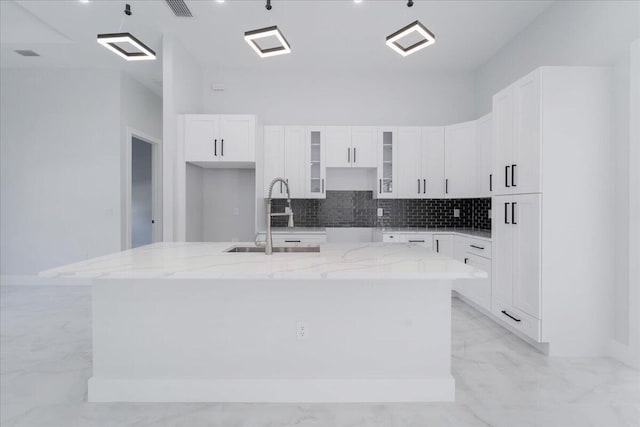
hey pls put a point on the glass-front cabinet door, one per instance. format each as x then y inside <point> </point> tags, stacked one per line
<point>387,159</point>
<point>316,169</point>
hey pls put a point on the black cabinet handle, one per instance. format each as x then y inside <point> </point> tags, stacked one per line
<point>292,241</point>
<point>446,186</point>
<point>513,179</point>
<point>416,241</point>
<point>381,186</point>
<point>490,182</point>
<point>354,154</point>
<point>506,176</point>
<point>437,245</point>
<point>477,247</point>
<point>222,147</point>
<point>322,185</point>
<point>506,213</point>
<point>424,186</point>
<point>513,213</point>
<point>348,155</point>
<point>215,147</point>
<point>418,185</point>
<point>465,260</point>
<point>510,316</point>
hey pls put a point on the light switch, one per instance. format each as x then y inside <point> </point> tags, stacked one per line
<point>380,212</point>
<point>489,213</point>
<point>456,213</point>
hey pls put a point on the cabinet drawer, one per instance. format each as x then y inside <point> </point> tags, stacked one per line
<point>295,238</point>
<point>391,238</point>
<point>528,325</point>
<point>479,247</point>
<point>425,240</point>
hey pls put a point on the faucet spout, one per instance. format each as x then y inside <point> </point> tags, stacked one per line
<point>288,212</point>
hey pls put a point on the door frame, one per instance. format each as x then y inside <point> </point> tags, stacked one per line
<point>156,185</point>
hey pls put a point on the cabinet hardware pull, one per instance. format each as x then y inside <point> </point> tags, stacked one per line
<point>465,260</point>
<point>510,316</point>
<point>506,176</point>
<point>416,241</point>
<point>292,241</point>
<point>490,182</point>
<point>222,147</point>
<point>506,213</point>
<point>446,186</point>
<point>513,213</point>
<point>354,155</point>
<point>513,179</point>
<point>437,245</point>
<point>380,186</point>
<point>424,186</point>
<point>215,147</point>
<point>348,155</point>
<point>418,185</point>
<point>477,247</point>
<point>322,185</point>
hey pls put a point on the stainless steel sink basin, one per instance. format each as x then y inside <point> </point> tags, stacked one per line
<point>287,249</point>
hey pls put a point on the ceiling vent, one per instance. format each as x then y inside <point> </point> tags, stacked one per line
<point>179,8</point>
<point>26,52</point>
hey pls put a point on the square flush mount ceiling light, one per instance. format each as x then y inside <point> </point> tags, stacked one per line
<point>251,37</point>
<point>114,41</point>
<point>427,38</point>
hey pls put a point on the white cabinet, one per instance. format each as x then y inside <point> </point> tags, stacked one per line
<point>460,160</point>
<point>517,128</point>
<point>316,169</point>
<point>219,138</point>
<point>422,239</point>
<point>444,244</point>
<point>460,244</point>
<point>421,162</point>
<point>516,257</point>
<point>387,164</point>
<point>293,237</point>
<point>284,156</point>
<point>476,290</point>
<point>348,147</point>
<point>484,132</point>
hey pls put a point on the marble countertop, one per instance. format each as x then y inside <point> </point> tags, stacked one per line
<point>207,260</point>
<point>297,230</point>
<point>473,232</point>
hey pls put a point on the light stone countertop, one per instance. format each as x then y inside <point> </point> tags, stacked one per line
<point>297,230</point>
<point>471,232</point>
<point>207,260</point>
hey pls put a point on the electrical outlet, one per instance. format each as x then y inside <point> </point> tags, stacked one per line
<point>380,212</point>
<point>236,211</point>
<point>489,213</point>
<point>302,330</point>
<point>456,213</point>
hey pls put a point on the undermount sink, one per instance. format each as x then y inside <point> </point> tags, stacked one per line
<point>287,249</point>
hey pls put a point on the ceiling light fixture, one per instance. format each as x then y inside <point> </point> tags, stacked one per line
<point>115,41</point>
<point>427,39</point>
<point>252,37</point>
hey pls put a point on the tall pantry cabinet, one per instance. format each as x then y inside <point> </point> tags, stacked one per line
<point>552,266</point>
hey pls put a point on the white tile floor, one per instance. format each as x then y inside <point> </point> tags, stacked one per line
<point>501,381</point>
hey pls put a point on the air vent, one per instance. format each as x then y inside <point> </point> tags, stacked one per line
<point>179,8</point>
<point>26,52</point>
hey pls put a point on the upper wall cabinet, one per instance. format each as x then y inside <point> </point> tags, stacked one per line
<point>285,157</point>
<point>387,164</point>
<point>220,138</point>
<point>460,160</point>
<point>350,147</point>
<point>484,136</point>
<point>517,137</point>
<point>421,162</point>
<point>316,170</point>
<point>432,157</point>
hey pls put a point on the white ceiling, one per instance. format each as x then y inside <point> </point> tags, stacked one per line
<point>324,35</point>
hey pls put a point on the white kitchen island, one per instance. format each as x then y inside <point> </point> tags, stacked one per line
<point>188,322</point>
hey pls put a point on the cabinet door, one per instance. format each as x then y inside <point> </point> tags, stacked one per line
<point>273,159</point>
<point>444,244</point>
<point>237,138</point>
<point>364,147</point>
<point>432,156</point>
<point>409,174</point>
<point>485,174</point>
<point>338,147</point>
<point>315,185</point>
<point>387,161</point>
<point>525,219</point>
<point>502,249</point>
<point>525,167</point>
<point>201,142</point>
<point>295,160</point>
<point>460,244</point>
<point>460,160</point>
<point>477,290</point>
<point>502,149</point>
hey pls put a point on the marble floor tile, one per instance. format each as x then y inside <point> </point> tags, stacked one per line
<point>45,361</point>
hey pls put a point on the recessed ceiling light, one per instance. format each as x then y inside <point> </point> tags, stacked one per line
<point>84,1</point>
<point>114,41</point>
<point>251,38</point>
<point>357,1</point>
<point>427,39</point>
<point>219,1</point>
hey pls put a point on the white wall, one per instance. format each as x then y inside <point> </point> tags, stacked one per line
<point>634,205</point>
<point>342,98</point>
<point>181,94</point>
<point>194,200</point>
<point>568,33</point>
<point>60,173</point>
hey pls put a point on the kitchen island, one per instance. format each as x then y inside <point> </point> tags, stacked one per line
<point>190,322</point>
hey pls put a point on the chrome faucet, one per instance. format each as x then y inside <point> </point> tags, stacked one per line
<point>268,250</point>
